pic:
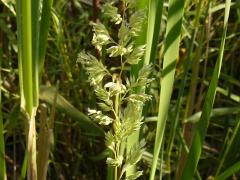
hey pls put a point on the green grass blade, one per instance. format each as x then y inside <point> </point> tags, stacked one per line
<point>171,49</point>
<point>24,166</point>
<point>230,171</point>
<point>198,139</point>
<point>20,51</point>
<point>2,146</point>
<point>40,31</point>
<point>154,23</point>
<point>47,95</point>
<point>26,46</point>
<point>35,46</point>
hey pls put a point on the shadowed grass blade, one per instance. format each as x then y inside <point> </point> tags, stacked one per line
<point>35,10</point>
<point>47,95</point>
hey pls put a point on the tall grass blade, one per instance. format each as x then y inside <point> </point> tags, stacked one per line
<point>171,49</point>
<point>153,30</point>
<point>198,139</point>
<point>25,46</point>
<point>44,29</point>
<point>2,146</point>
<point>40,31</point>
<point>35,10</point>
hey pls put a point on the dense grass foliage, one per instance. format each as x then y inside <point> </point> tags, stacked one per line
<point>119,89</point>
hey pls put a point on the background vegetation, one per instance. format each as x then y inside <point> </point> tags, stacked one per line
<point>191,124</point>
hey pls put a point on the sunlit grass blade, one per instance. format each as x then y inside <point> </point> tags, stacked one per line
<point>171,49</point>
<point>25,54</point>
<point>2,144</point>
<point>198,139</point>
